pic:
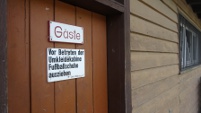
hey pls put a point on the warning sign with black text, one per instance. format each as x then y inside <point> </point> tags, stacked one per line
<point>64,64</point>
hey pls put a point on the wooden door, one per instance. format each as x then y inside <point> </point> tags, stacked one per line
<point>28,89</point>
<point>82,95</point>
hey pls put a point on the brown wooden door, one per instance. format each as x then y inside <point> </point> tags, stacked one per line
<point>82,95</point>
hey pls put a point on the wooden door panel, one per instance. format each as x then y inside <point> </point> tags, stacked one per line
<point>99,63</point>
<point>84,85</point>
<point>36,95</point>
<point>42,93</point>
<point>65,91</point>
<point>18,57</point>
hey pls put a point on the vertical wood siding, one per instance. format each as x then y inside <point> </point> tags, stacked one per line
<point>18,57</point>
<point>157,86</point>
<point>29,91</point>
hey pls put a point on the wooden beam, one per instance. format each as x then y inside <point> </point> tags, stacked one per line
<point>3,57</point>
<point>105,7</point>
<point>119,72</point>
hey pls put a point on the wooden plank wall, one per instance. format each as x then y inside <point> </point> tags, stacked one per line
<point>28,90</point>
<point>18,56</point>
<point>157,86</point>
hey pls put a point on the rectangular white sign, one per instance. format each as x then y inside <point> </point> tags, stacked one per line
<point>64,64</point>
<point>60,32</point>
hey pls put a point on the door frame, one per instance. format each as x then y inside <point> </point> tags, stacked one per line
<point>3,57</point>
<point>117,13</point>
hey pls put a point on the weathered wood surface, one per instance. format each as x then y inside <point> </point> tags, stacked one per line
<point>18,56</point>
<point>159,102</point>
<point>148,92</point>
<point>162,8</point>
<point>171,5</point>
<point>149,44</point>
<point>144,77</point>
<point>142,26</point>
<point>157,85</point>
<point>145,60</point>
<point>140,9</point>
<point>42,95</point>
